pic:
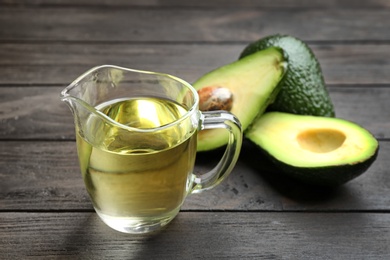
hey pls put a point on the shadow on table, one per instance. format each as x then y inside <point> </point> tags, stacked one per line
<point>89,238</point>
<point>271,176</point>
<point>283,184</point>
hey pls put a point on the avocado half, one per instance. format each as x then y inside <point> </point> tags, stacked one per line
<point>303,90</point>
<point>253,84</point>
<point>317,150</point>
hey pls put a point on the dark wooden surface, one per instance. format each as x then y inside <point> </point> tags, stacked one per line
<point>254,214</point>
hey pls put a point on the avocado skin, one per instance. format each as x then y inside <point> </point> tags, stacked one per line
<point>330,176</point>
<point>303,89</point>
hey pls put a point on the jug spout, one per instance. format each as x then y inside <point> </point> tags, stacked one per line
<point>68,100</point>
<point>84,94</point>
<point>78,107</point>
<point>92,88</point>
<point>81,111</point>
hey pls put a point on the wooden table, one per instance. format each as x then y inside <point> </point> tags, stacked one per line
<point>44,209</point>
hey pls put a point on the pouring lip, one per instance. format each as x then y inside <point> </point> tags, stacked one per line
<point>65,92</point>
<point>65,96</point>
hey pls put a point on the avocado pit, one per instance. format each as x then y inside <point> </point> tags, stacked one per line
<point>215,98</point>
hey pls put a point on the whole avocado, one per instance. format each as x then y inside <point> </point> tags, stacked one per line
<point>303,90</point>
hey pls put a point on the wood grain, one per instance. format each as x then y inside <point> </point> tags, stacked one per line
<point>256,213</point>
<point>37,112</point>
<point>204,4</point>
<point>60,63</point>
<point>45,176</point>
<point>199,235</point>
<point>191,24</point>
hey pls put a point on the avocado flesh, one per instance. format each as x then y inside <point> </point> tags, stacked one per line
<point>318,150</point>
<point>253,82</point>
<point>303,89</point>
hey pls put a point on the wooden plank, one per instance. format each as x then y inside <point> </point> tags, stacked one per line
<point>190,24</point>
<point>363,106</point>
<point>43,173</point>
<point>45,176</point>
<point>199,235</point>
<point>205,4</point>
<point>58,63</point>
<point>37,112</point>
<point>62,63</point>
<point>30,113</point>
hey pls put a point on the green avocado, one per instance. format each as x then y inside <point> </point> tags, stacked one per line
<point>318,150</point>
<point>303,89</point>
<point>252,83</point>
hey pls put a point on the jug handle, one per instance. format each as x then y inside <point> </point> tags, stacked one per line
<point>224,120</point>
